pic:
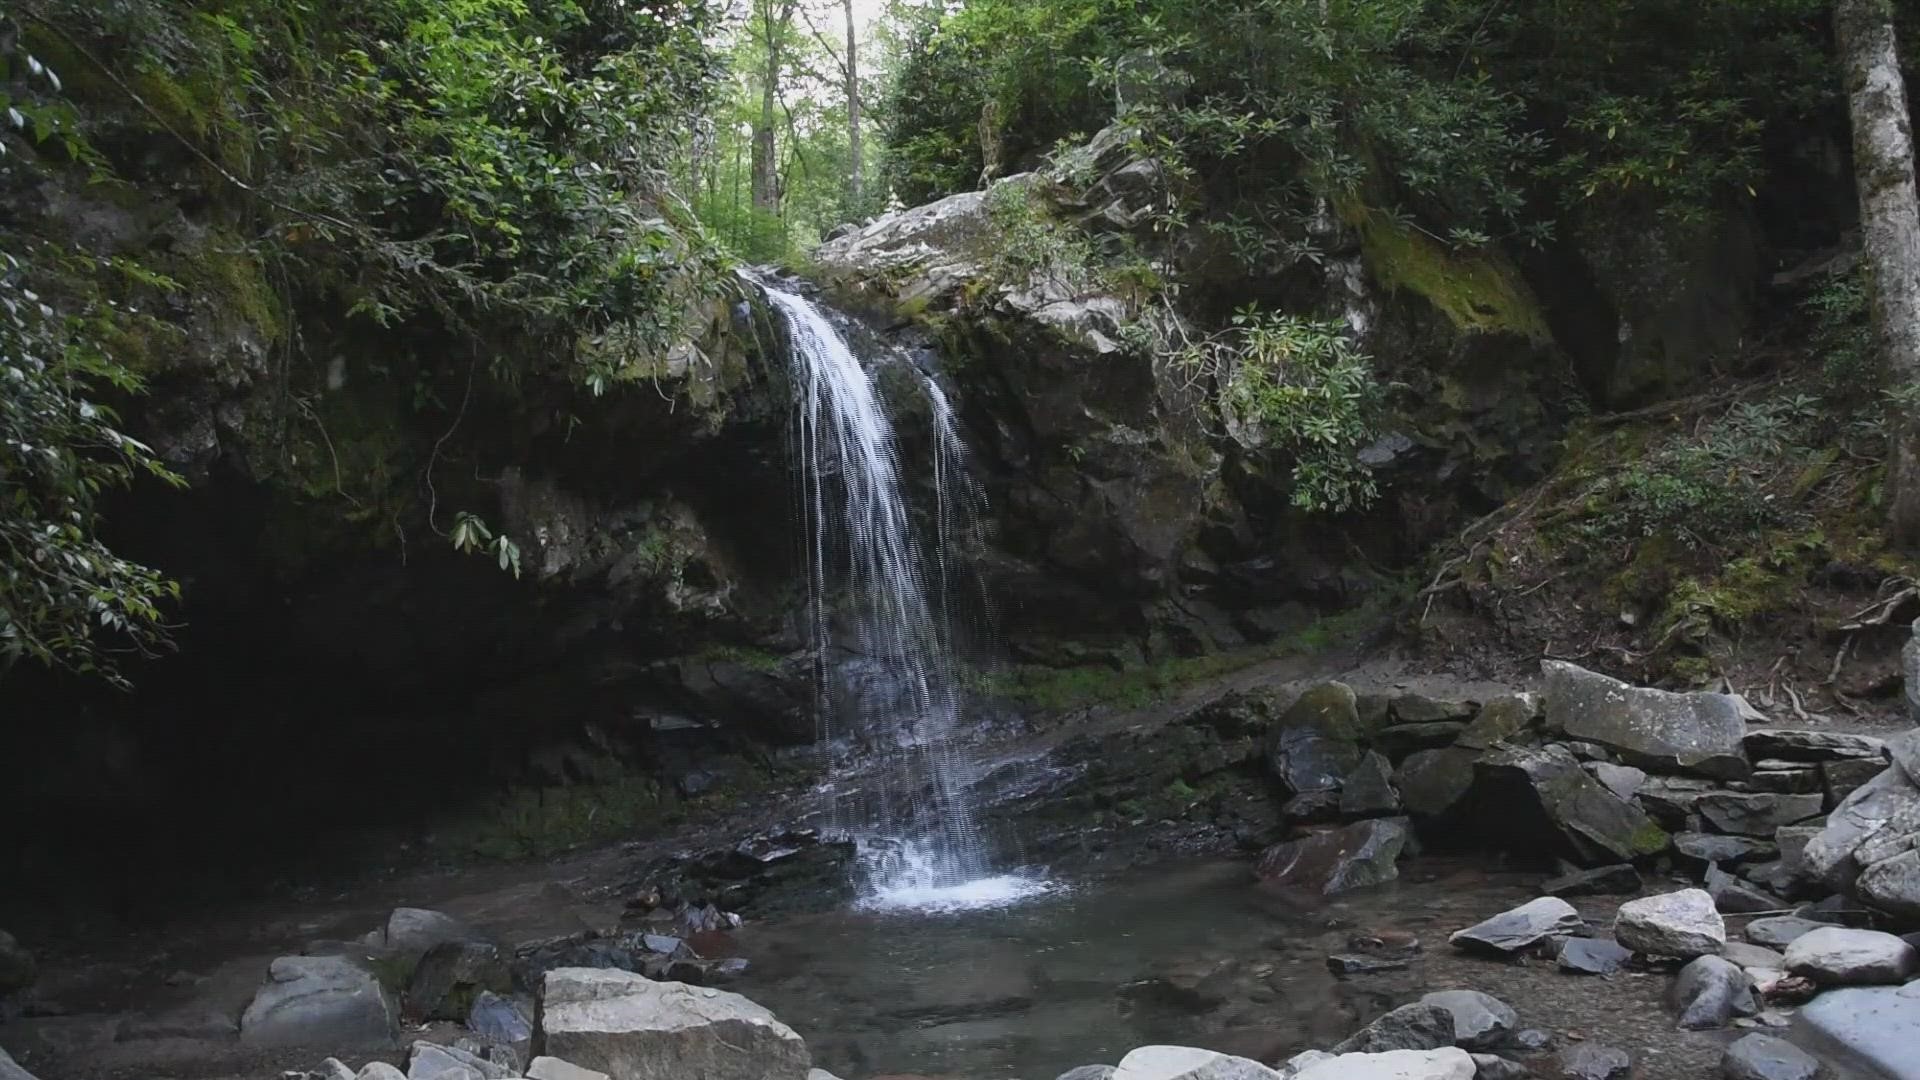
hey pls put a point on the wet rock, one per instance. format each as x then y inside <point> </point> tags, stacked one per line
<point>1599,881</point>
<point>1480,1021</point>
<point>1792,745</point>
<point>430,1061</point>
<point>1779,931</point>
<point>1368,790</point>
<point>1188,1063</point>
<point>1592,1061</point>
<point>1878,1025</point>
<point>1733,896</point>
<point>1759,813</point>
<point>793,870</point>
<point>10,1069</point>
<point>1683,924</point>
<point>1709,992</point>
<point>451,977</point>
<point>1593,956</point>
<point>1546,788</point>
<point>637,1029</point>
<point>1622,780</point>
<point>550,1068</point>
<point>17,968</point>
<point>1085,1072</point>
<point>1703,849</point>
<point>1763,1057</point>
<point>1360,964</point>
<point>1419,1026</point>
<point>318,1001</point>
<point>499,1018</point>
<point>1432,783</point>
<point>1830,855</point>
<point>1338,860</point>
<point>1521,928</point>
<point>1652,729</point>
<point>1841,956</point>
<point>1500,720</point>
<point>1315,742</point>
<point>1447,1063</point>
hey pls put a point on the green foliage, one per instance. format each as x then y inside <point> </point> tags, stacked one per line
<point>470,534</point>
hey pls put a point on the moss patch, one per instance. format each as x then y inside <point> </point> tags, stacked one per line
<point>1479,291</point>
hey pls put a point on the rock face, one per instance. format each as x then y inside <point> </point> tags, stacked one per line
<point>1683,924</point>
<point>319,1001</point>
<point>1521,928</point>
<point>631,1027</point>
<point>1840,956</point>
<point>1582,819</point>
<point>1763,1057</point>
<point>1336,861</point>
<point>1653,729</point>
<point>1188,1063</point>
<point>1879,1025</point>
<point>1448,1063</point>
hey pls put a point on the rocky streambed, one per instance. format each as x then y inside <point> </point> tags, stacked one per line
<point>1579,879</point>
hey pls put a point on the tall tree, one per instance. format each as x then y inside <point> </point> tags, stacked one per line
<point>856,177</point>
<point>1890,222</point>
<point>774,17</point>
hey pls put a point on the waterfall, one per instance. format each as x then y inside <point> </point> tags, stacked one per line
<point>885,633</point>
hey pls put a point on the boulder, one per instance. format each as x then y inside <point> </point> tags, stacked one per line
<point>1480,1021</point>
<point>1368,791</point>
<point>335,1069</point>
<point>1599,881</point>
<point>1893,884</point>
<point>1699,850</point>
<point>1545,788</point>
<point>1779,931</point>
<point>1315,742</point>
<point>1500,720</point>
<point>1521,928</point>
<point>17,969</point>
<point>631,1027</point>
<point>1593,1061</point>
<point>1495,1067</point>
<point>1432,783</point>
<point>1878,1025</point>
<point>1188,1063</point>
<point>1446,1063</point>
<point>1785,778</point>
<point>1084,1072</point>
<point>1419,1026</point>
<point>550,1068</point>
<point>1653,729</point>
<point>1399,740</point>
<point>1763,1057</point>
<point>1756,813</point>
<point>450,978</point>
<point>1753,956</point>
<point>1683,924</point>
<point>1352,857</point>
<point>410,932</point>
<point>1840,779</point>
<point>1671,800</point>
<point>10,1069</point>
<point>1830,855</point>
<point>379,1070</point>
<point>1622,780</point>
<point>431,1061</point>
<point>1710,992</point>
<point>1842,956</point>
<point>1904,749</point>
<point>1412,708</point>
<point>1733,896</point>
<point>1593,956</point>
<point>319,1001</point>
<point>498,1018</point>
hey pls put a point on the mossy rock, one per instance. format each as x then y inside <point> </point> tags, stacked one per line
<point>1479,291</point>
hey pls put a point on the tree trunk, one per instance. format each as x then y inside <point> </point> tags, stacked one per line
<point>1890,223</point>
<point>856,181</point>
<point>774,15</point>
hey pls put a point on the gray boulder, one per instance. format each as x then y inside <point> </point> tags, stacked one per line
<point>551,1068</point>
<point>499,1018</point>
<point>1499,720</point>
<point>1780,931</point>
<point>1893,884</point>
<point>1904,749</point>
<point>1842,956</point>
<point>1763,1057</point>
<point>629,1026</point>
<point>1315,743</point>
<point>1622,780</point>
<point>1593,956</point>
<point>1700,849</point>
<point>1710,992</point>
<point>431,1061</point>
<point>1521,928</point>
<point>1446,1063</point>
<point>1830,855</point>
<point>1480,1021</point>
<point>1599,881</point>
<point>319,1001</point>
<point>10,1069</point>
<point>1757,813</point>
<point>1878,1025</point>
<point>410,932</point>
<point>1368,791</point>
<point>1593,1061</point>
<point>1361,854</point>
<point>1653,729</point>
<point>1683,924</point>
<point>1782,744</point>
<point>1733,896</point>
<point>1753,956</point>
<point>1420,1026</point>
<point>1433,783</point>
<point>1577,816</point>
<point>451,977</point>
<point>1188,1063</point>
<point>1495,1067</point>
<point>1089,1072</point>
<point>379,1070</point>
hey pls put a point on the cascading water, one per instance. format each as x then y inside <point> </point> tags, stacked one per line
<point>883,625</point>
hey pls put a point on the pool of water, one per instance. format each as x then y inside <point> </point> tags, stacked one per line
<point>1191,953</point>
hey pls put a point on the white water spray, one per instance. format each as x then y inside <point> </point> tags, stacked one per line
<point>883,625</point>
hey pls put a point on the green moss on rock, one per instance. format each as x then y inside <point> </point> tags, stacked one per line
<point>1480,291</point>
